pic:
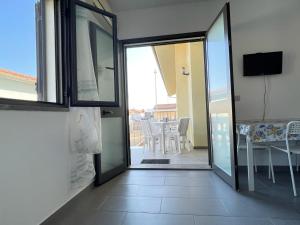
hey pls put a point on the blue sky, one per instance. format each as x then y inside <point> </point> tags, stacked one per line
<point>141,64</point>
<point>17,36</point>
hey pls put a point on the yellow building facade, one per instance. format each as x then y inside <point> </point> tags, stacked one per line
<point>183,73</point>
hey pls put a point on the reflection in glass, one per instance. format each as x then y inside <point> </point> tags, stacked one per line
<point>104,59</point>
<point>95,61</point>
<point>217,62</point>
<point>112,155</point>
<point>221,141</point>
<point>219,95</point>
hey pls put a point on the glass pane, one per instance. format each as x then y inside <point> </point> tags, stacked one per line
<point>219,95</point>
<point>221,141</point>
<point>217,63</point>
<point>105,65</point>
<point>28,54</point>
<point>113,143</point>
<point>95,61</point>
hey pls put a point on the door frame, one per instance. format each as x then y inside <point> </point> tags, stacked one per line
<point>73,86</point>
<point>233,154</point>
<point>108,109</point>
<point>154,41</point>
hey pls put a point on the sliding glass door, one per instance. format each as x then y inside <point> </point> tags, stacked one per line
<point>221,97</point>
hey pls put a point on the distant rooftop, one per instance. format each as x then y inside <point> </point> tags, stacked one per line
<point>136,111</point>
<point>162,107</point>
<point>16,76</point>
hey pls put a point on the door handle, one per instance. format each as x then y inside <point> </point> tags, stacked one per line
<point>106,112</point>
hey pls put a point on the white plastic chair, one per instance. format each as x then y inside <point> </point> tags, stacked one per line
<point>241,144</point>
<point>150,136</point>
<point>145,134</point>
<point>293,128</point>
<point>180,134</point>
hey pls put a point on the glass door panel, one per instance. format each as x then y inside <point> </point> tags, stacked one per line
<point>105,62</point>
<point>95,79</point>
<point>113,148</point>
<point>95,82</point>
<point>221,97</point>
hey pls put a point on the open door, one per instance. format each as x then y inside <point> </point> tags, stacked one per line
<point>221,98</point>
<point>95,82</point>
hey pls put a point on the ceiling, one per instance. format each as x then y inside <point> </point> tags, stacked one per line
<point>125,5</point>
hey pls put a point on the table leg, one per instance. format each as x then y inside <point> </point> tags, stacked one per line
<point>250,164</point>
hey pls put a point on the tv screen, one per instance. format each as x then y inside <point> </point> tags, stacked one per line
<point>272,63</point>
<point>262,64</point>
<point>253,64</point>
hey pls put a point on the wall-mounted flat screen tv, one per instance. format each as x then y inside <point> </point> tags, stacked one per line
<point>262,64</point>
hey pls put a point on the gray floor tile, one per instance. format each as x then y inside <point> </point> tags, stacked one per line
<point>221,220</point>
<point>193,174</point>
<point>132,204</point>
<point>285,222</point>
<point>259,206</point>
<point>139,180</point>
<point>190,193</point>
<point>107,218</point>
<point>200,206</point>
<point>157,219</point>
<point>146,173</point>
<point>188,181</point>
<point>123,190</point>
<point>178,191</point>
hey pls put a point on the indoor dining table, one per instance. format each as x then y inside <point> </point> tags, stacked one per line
<point>163,128</point>
<point>261,132</point>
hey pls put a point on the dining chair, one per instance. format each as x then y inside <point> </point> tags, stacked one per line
<point>242,145</point>
<point>145,134</point>
<point>179,135</point>
<point>150,135</point>
<point>292,129</point>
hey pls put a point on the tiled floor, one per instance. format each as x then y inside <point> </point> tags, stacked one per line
<point>195,159</point>
<point>156,197</point>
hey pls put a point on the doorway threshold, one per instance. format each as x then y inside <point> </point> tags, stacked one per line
<point>172,166</point>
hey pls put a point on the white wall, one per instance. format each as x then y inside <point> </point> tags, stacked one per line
<point>262,26</point>
<point>35,158</point>
<point>34,165</point>
<point>166,20</point>
<point>257,26</point>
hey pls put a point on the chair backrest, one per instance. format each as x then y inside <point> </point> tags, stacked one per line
<point>146,128</point>
<point>240,139</point>
<point>183,126</point>
<point>293,127</point>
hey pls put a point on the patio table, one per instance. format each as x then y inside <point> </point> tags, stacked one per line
<point>163,125</point>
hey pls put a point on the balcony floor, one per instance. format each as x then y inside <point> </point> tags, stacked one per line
<point>195,159</point>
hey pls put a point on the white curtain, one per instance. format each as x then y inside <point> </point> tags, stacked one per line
<point>85,140</point>
<point>85,130</point>
<point>82,170</point>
